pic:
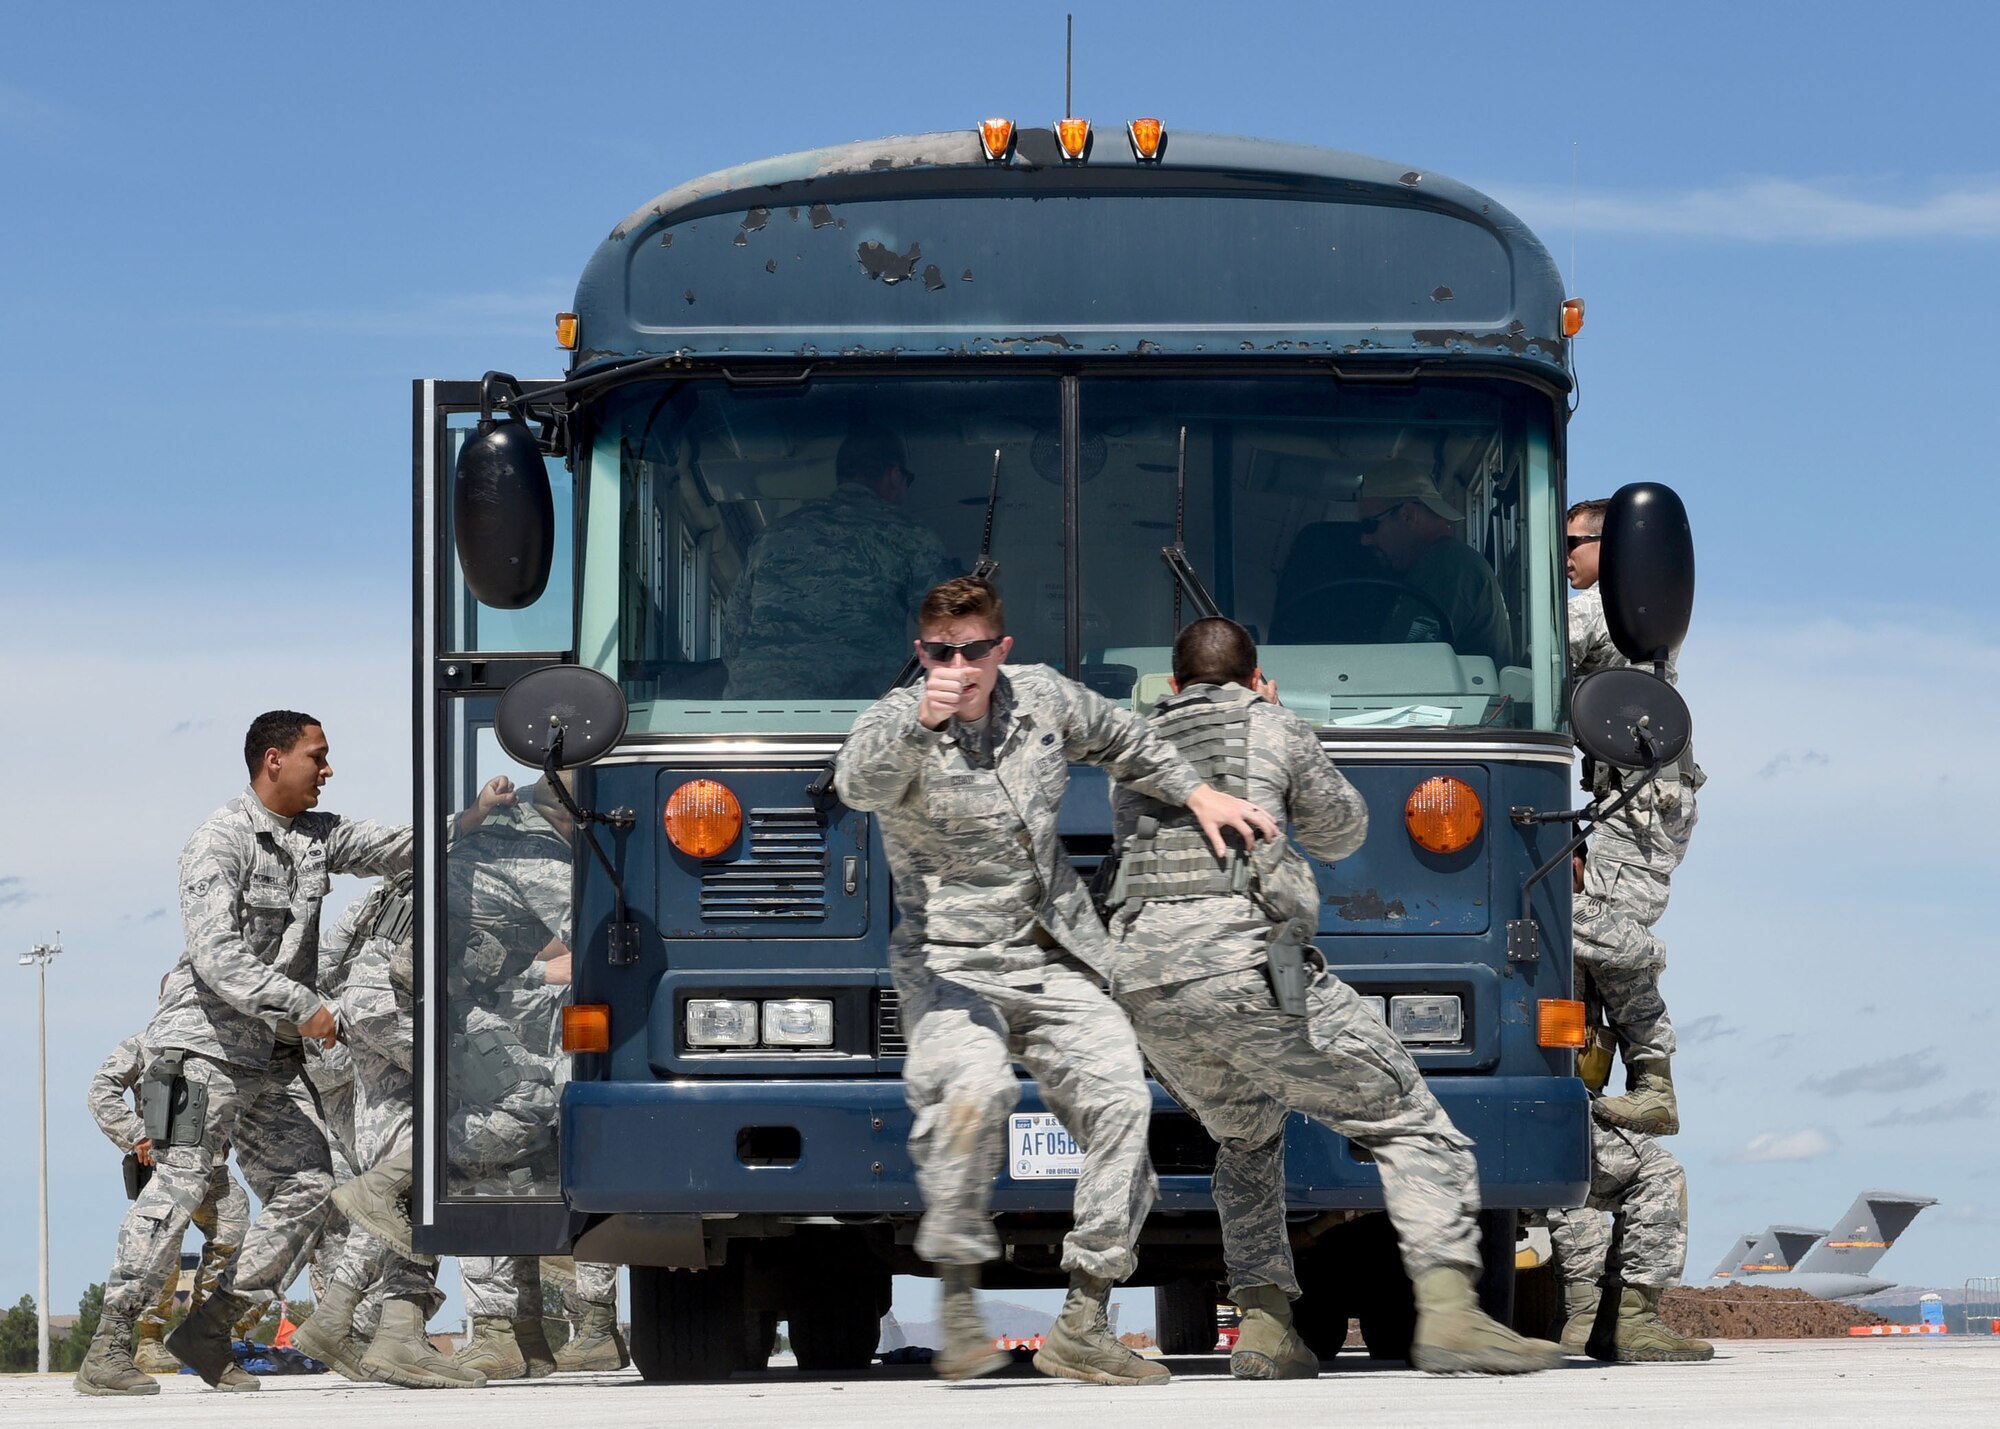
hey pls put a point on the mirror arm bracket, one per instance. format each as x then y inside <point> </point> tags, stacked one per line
<point>1524,932</point>
<point>624,945</point>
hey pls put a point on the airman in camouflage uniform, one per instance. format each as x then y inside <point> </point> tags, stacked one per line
<point>1190,969</point>
<point>222,1217</point>
<point>1644,1188</point>
<point>236,1008</point>
<point>823,604</point>
<point>364,967</point>
<point>1633,856</point>
<point>510,885</point>
<point>998,957</point>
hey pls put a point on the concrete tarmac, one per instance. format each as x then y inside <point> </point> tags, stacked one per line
<point>1759,1382</point>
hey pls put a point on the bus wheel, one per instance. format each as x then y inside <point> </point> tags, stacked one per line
<point>760,1338</point>
<point>1184,1317</point>
<point>837,1323</point>
<point>688,1324</point>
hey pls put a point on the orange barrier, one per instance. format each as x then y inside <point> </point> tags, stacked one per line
<point>1895,1329</point>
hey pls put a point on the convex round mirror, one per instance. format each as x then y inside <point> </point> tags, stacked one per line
<point>585,708</point>
<point>1608,708</point>
<point>1646,569</point>
<point>503,515</point>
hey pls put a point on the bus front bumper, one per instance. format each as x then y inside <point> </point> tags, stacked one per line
<point>826,1147</point>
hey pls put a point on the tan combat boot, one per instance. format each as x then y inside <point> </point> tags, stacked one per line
<point>328,1333</point>
<point>1455,1336</point>
<point>596,1346</point>
<point>492,1350</point>
<point>968,1344</point>
<point>1642,1337</point>
<point>108,1368</point>
<point>149,1350</point>
<point>203,1341</point>
<point>378,1200</point>
<point>402,1354</point>
<point>1267,1344</point>
<point>1580,1301</point>
<point>535,1351</point>
<point>1648,1104</point>
<point>1080,1345</point>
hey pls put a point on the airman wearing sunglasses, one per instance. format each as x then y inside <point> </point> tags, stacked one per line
<point>1414,530</point>
<point>999,957</point>
<point>1633,856</point>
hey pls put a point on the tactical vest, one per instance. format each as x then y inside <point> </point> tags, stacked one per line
<point>1167,856</point>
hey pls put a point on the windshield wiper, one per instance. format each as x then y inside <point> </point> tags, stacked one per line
<point>1186,581</point>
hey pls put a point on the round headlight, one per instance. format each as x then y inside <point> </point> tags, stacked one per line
<point>1443,814</point>
<point>703,818</point>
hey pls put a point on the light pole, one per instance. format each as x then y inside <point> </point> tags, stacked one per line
<point>40,956</point>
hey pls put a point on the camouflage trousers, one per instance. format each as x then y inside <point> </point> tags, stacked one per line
<point>965,1032</point>
<point>382,1125</point>
<point>1239,1065</point>
<point>222,1218</point>
<point>283,1155</point>
<point>1626,879</point>
<point>511,1286</point>
<point>331,1105</point>
<point>1642,1185</point>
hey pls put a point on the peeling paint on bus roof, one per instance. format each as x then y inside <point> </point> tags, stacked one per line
<point>1227,246</point>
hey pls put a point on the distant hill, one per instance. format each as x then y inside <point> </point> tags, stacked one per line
<point>1005,1318</point>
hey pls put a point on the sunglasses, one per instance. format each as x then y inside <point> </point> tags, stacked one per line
<point>1370,523</point>
<point>941,651</point>
<point>1570,543</point>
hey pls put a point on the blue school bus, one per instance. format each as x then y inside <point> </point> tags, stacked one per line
<point>1084,347</point>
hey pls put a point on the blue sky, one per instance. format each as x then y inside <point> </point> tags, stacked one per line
<point>234,236</point>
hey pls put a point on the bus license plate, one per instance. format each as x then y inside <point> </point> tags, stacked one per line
<point>1038,1147</point>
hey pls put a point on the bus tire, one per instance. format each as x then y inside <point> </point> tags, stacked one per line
<point>1184,1317</point>
<point>688,1324</point>
<point>838,1324</point>
<point>1538,1302</point>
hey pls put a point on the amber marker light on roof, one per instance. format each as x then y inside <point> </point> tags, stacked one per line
<point>703,818</point>
<point>996,137</point>
<point>1443,814</point>
<point>1559,1023</point>
<point>586,1027</point>
<point>1572,316</point>
<point>1073,136</point>
<point>566,331</point>
<point>1147,135</point>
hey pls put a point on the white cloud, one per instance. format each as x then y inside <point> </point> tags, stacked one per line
<point>1769,210</point>
<point>1807,1145</point>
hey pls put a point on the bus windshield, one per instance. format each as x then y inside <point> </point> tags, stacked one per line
<point>755,554</point>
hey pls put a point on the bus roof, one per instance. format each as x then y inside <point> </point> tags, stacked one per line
<point>920,246</point>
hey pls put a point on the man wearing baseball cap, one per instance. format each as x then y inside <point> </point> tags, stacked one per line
<point>1454,596</point>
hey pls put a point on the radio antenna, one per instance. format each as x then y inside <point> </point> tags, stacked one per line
<point>1069,60</point>
<point>1575,166</point>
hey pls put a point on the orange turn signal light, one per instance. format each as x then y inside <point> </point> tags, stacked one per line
<point>1146,136</point>
<point>703,818</point>
<point>996,137</point>
<point>587,1028</point>
<point>1572,316</point>
<point>1443,814</point>
<point>1073,136</point>
<point>566,331</point>
<point>1559,1023</point>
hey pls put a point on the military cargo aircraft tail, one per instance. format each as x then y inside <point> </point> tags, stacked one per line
<point>1859,1238</point>
<point>1732,1262</point>
<point>1778,1250</point>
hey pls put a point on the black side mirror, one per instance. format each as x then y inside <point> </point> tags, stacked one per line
<point>1629,718</point>
<point>560,717</point>
<point>503,515</point>
<point>1646,566</point>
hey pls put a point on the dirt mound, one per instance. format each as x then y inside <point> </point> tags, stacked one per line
<point>1758,1312</point>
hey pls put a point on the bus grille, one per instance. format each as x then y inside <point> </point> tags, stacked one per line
<point>783,875</point>
<point>889,1024</point>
